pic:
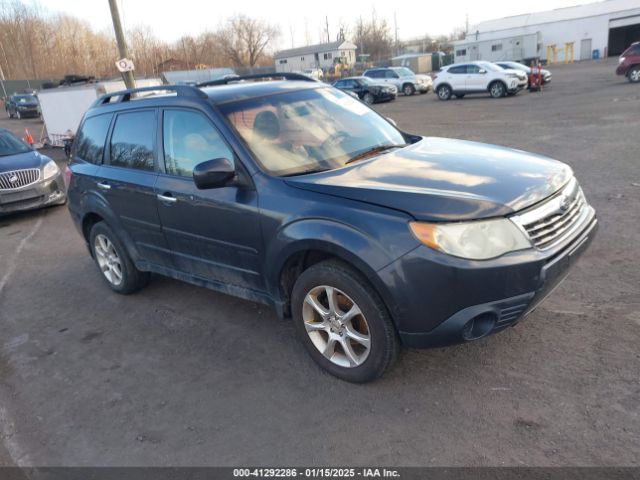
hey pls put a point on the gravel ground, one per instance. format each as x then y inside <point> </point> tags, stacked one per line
<point>178,375</point>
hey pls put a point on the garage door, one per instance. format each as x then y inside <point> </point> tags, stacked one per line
<point>622,33</point>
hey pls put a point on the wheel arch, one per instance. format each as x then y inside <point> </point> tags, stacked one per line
<point>95,209</point>
<point>339,242</point>
<point>499,80</point>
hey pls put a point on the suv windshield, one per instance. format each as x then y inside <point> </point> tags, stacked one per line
<point>309,130</point>
<point>404,72</point>
<point>24,99</point>
<point>10,145</point>
<point>489,66</point>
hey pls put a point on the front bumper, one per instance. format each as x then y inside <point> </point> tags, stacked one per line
<point>28,112</point>
<point>443,301</point>
<point>42,194</point>
<point>423,87</point>
<point>622,69</point>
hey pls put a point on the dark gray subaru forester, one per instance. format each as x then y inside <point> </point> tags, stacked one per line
<point>291,193</point>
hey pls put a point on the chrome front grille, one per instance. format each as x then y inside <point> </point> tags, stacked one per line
<point>19,178</point>
<point>556,219</point>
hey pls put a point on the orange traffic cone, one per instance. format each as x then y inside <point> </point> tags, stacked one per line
<point>27,137</point>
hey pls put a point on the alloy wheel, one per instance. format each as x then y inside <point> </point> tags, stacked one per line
<point>443,93</point>
<point>336,326</point>
<point>634,76</point>
<point>108,259</point>
<point>497,90</point>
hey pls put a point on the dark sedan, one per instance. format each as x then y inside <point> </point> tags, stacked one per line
<point>22,106</point>
<point>367,90</point>
<point>28,179</point>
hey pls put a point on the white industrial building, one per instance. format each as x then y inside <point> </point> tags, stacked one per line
<point>599,29</point>
<point>323,56</point>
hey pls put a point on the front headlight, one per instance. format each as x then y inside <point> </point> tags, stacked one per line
<point>478,240</point>
<point>621,59</point>
<point>50,170</point>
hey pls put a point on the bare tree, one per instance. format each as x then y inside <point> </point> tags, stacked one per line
<point>373,37</point>
<point>244,39</point>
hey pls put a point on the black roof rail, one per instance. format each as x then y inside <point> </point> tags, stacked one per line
<point>257,76</point>
<point>125,95</point>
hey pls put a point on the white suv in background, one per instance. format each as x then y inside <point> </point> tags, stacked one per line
<point>403,78</point>
<point>475,77</point>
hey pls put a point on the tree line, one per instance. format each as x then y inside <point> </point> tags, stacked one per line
<point>38,45</point>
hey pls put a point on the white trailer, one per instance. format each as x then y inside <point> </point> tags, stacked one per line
<point>62,108</point>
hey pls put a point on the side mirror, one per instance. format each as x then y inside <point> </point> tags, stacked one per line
<point>214,173</point>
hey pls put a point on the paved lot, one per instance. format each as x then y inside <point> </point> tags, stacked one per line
<point>178,375</point>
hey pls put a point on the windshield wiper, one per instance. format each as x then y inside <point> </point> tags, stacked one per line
<point>374,150</point>
<point>306,172</point>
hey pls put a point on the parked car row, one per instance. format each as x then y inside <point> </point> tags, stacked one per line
<point>497,79</point>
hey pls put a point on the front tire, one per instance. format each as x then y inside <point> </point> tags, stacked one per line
<point>343,323</point>
<point>368,98</point>
<point>408,90</point>
<point>634,74</point>
<point>444,92</point>
<point>497,90</point>
<point>114,262</point>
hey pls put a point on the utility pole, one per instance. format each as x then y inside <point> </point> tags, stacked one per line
<point>327,22</point>
<point>122,44</point>
<point>4,91</point>
<point>395,23</point>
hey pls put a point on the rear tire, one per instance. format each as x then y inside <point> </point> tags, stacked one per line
<point>343,323</point>
<point>634,74</point>
<point>444,92</point>
<point>114,262</point>
<point>497,89</point>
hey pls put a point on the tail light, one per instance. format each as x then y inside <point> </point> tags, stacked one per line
<point>67,175</point>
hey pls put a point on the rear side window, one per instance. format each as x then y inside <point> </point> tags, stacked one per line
<point>375,74</point>
<point>189,139</point>
<point>91,139</point>
<point>458,69</point>
<point>132,140</point>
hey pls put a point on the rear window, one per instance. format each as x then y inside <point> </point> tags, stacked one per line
<point>91,138</point>
<point>132,140</point>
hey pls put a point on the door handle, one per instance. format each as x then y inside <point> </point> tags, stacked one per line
<point>104,186</point>
<point>167,198</point>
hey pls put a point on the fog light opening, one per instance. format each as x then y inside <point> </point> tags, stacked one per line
<point>479,326</point>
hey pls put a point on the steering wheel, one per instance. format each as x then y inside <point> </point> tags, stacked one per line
<point>335,139</point>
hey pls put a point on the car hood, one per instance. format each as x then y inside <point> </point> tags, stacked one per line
<point>30,159</point>
<point>426,78</point>
<point>519,73</point>
<point>439,179</point>
<point>379,85</point>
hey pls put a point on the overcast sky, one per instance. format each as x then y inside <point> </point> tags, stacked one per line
<point>172,19</point>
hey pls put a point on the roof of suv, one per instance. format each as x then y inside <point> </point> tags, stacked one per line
<point>218,94</point>
<point>242,91</point>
